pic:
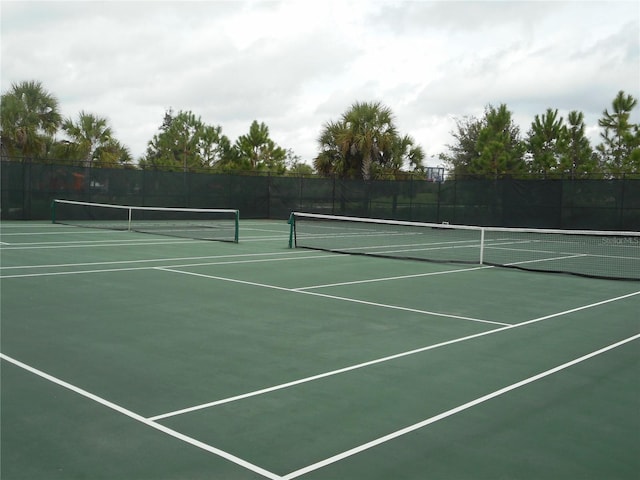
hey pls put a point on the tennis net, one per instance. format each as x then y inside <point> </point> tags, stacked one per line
<point>599,254</point>
<point>195,223</point>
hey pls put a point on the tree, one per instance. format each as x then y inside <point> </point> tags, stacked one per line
<point>258,151</point>
<point>369,134</point>
<point>331,160</point>
<point>620,149</point>
<point>186,143</point>
<point>405,157</point>
<point>500,150</point>
<point>578,158</point>
<point>92,142</point>
<point>295,165</point>
<point>465,150</point>
<point>112,154</point>
<point>365,144</point>
<point>546,142</point>
<point>29,119</point>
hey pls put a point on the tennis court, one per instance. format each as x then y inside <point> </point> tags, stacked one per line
<point>138,356</point>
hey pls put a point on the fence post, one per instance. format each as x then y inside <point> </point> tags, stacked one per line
<point>622,195</point>
<point>439,199</point>
<point>268,194</point>
<point>27,191</point>
<point>411,216</point>
<point>333,196</point>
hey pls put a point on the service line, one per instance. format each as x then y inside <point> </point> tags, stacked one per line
<point>371,362</point>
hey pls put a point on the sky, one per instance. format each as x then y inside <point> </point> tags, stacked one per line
<point>298,64</point>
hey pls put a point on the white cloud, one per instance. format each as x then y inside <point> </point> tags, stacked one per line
<point>297,64</point>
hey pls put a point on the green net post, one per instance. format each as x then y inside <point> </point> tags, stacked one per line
<point>236,238</point>
<point>53,211</point>
<point>292,223</point>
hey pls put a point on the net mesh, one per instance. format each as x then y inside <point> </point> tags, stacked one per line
<point>195,223</point>
<point>612,255</point>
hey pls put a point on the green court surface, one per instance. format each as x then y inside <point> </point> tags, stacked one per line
<point>134,356</point>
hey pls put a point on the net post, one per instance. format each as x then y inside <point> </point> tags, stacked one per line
<point>53,211</point>
<point>237,230</point>
<point>130,213</point>
<point>292,223</point>
<point>482,246</point>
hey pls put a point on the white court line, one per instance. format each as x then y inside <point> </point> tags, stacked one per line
<point>400,277</point>
<point>150,267</point>
<point>334,297</point>
<point>453,411</point>
<point>482,267</point>
<point>151,423</point>
<point>20,224</point>
<point>83,231</point>
<point>280,238</point>
<point>260,260</point>
<point>128,243</point>
<point>573,255</point>
<point>254,229</point>
<point>141,419</point>
<point>539,260</point>
<point>89,242</point>
<point>129,269</point>
<point>175,259</point>
<point>73,272</point>
<point>386,359</point>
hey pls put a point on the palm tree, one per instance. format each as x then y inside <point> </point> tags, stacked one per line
<point>89,136</point>
<point>369,134</point>
<point>406,154</point>
<point>330,160</point>
<point>364,136</point>
<point>29,119</point>
<point>113,153</point>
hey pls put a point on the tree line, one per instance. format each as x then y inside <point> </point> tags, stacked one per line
<point>32,126</point>
<point>363,142</point>
<point>492,146</point>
